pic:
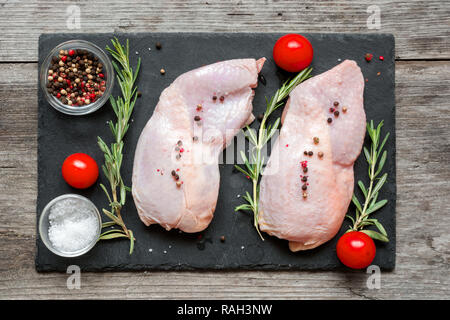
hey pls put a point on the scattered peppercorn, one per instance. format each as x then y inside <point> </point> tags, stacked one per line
<point>329,120</point>
<point>305,170</point>
<point>173,173</point>
<point>221,98</point>
<point>336,113</point>
<point>180,143</point>
<point>197,118</point>
<point>194,138</point>
<point>260,117</point>
<point>320,154</point>
<point>316,140</point>
<point>305,195</point>
<point>199,107</point>
<point>344,109</point>
<point>305,153</point>
<point>310,153</point>
<point>139,94</point>
<point>222,238</point>
<point>335,103</point>
<point>158,46</point>
<point>304,187</point>
<point>381,58</point>
<point>368,57</point>
<point>178,184</point>
<point>162,71</point>
<point>214,98</point>
<point>305,178</point>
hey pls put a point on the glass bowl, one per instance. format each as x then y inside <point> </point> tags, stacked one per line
<point>44,225</point>
<point>107,70</point>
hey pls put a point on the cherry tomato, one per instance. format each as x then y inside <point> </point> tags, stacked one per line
<point>356,250</point>
<point>80,170</point>
<point>293,52</point>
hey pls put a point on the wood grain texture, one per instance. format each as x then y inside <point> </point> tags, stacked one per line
<point>423,237</point>
<point>421,28</point>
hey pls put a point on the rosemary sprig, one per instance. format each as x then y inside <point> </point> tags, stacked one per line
<point>253,166</point>
<point>123,107</point>
<point>371,204</point>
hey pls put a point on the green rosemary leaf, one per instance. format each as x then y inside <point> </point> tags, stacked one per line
<point>375,235</point>
<point>376,206</point>
<point>374,199</point>
<point>111,216</point>
<point>243,207</point>
<point>362,187</point>
<point>242,170</point>
<point>383,143</point>
<point>108,224</point>
<point>106,191</point>
<point>356,203</point>
<point>112,231</point>
<point>380,183</point>
<point>379,226</point>
<point>351,218</point>
<point>365,223</point>
<point>251,135</point>
<point>130,233</point>
<point>381,163</point>
<point>113,236</point>
<point>367,154</point>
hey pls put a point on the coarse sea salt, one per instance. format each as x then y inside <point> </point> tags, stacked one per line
<point>73,225</point>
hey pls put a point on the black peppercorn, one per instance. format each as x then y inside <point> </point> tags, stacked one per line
<point>329,120</point>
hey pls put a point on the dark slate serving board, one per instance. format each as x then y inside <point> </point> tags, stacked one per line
<point>61,135</point>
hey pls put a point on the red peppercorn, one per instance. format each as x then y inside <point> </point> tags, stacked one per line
<point>101,75</point>
<point>64,58</point>
<point>304,164</point>
<point>58,95</point>
<point>368,57</point>
<point>331,110</point>
<point>71,52</point>
<point>381,58</point>
<point>68,82</point>
<point>92,96</point>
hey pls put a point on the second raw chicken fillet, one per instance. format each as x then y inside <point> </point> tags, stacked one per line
<point>175,173</point>
<point>308,183</point>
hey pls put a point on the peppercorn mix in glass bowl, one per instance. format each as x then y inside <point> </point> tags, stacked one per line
<point>77,77</point>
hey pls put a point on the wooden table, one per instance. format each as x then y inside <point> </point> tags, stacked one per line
<point>422,35</point>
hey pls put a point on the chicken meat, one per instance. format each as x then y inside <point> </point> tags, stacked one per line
<point>307,185</point>
<point>175,180</point>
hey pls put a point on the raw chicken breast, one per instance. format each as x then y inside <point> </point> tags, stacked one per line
<point>175,173</point>
<point>308,218</point>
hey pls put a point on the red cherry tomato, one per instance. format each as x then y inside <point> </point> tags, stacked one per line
<point>293,52</point>
<point>356,250</point>
<point>80,170</point>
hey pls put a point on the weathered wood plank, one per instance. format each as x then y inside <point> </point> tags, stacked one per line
<point>423,253</point>
<point>421,28</point>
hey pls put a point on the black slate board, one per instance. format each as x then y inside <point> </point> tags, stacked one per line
<point>61,135</point>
